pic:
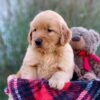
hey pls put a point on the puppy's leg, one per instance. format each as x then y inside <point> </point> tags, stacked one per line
<point>59,79</point>
<point>10,77</point>
<point>27,72</point>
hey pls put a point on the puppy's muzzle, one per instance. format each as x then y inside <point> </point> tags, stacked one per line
<point>38,42</point>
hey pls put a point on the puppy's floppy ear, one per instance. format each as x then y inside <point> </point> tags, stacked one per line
<point>29,37</point>
<point>66,35</point>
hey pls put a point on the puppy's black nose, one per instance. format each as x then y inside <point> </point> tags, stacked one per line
<point>38,42</point>
<point>76,38</point>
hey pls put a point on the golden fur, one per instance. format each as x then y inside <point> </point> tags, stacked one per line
<point>53,60</point>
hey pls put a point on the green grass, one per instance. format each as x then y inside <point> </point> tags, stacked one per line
<point>2,94</point>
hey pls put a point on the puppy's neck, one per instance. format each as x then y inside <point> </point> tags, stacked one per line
<point>56,52</point>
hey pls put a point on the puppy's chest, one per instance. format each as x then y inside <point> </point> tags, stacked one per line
<point>47,66</point>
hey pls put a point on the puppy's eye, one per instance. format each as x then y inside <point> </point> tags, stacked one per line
<point>34,30</point>
<point>50,30</point>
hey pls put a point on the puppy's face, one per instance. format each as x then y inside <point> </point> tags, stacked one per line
<point>48,31</point>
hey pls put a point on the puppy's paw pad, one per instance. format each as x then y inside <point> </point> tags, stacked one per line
<point>10,77</point>
<point>57,84</point>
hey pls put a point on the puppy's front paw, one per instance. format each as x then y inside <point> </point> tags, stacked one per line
<point>57,84</point>
<point>10,77</point>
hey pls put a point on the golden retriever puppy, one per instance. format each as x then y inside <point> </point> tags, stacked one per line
<point>49,54</point>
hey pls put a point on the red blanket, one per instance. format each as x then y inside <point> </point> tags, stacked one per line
<point>22,89</point>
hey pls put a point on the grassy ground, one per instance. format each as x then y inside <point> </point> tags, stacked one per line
<point>2,94</point>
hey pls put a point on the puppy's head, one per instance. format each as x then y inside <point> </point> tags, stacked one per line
<point>48,31</point>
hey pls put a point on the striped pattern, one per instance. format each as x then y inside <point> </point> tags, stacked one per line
<point>22,89</point>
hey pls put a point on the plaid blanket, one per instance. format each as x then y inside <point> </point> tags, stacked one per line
<point>22,89</point>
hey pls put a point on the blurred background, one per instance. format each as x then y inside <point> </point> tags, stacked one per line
<point>15,16</point>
